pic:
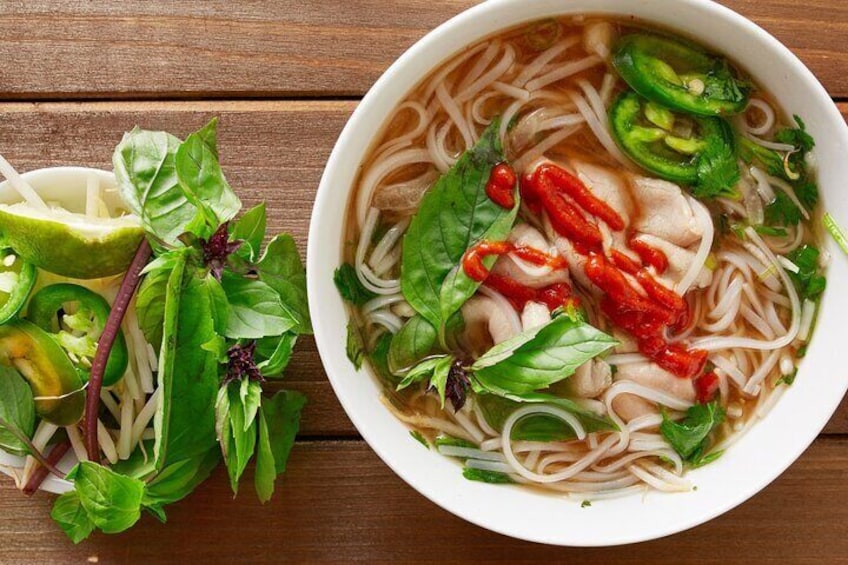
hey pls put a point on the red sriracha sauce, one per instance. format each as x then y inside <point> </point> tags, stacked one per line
<point>553,296</point>
<point>706,387</point>
<point>650,255</point>
<point>501,186</point>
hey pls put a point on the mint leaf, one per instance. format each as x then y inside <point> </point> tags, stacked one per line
<point>17,408</point>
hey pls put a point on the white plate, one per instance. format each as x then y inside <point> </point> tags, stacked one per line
<point>749,465</point>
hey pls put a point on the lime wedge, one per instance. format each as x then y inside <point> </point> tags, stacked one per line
<point>76,226</point>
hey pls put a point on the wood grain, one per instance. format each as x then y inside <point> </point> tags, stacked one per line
<point>338,502</point>
<point>290,48</point>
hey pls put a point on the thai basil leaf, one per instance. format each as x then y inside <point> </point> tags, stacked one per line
<point>275,354</point>
<point>279,420</point>
<point>282,414</point>
<point>250,394</point>
<point>201,179</point>
<point>454,214</point>
<point>112,501</point>
<point>69,514</point>
<point>150,303</point>
<point>690,436</point>
<point>435,369</point>
<point>144,163</point>
<point>255,309</point>
<point>17,408</point>
<point>188,372</point>
<point>281,268</point>
<point>379,357</point>
<point>250,229</point>
<point>266,472</point>
<point>177,481</point>
<point>415,340</point>
<point>350,287</point>
<point>497,409</point>
<point>238,432</point>
<point>539,357</point>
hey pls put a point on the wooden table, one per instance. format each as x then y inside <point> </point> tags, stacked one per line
<point>284,77</point>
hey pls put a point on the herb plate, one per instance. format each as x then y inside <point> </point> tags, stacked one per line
<point>756,459</point>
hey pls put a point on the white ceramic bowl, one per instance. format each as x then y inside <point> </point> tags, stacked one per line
<point>749,465</point>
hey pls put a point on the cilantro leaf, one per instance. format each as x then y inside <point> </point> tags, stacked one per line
<point>782,210</point>
<point>797,136</point>
<point>718,173</point>
<point>690,437</point>
<point>808,280</point>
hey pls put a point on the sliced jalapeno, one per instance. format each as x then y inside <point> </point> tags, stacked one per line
<point>17,278</point>
<point>56,386</point>
<point>666,143</point>
<point>679,75</point>
<point>75,317</point>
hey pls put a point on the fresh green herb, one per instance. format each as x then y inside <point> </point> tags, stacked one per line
<point>236,409</point>
<point>718,172</point>
<point>111,501</point>
<point>835,231</point>
<point>702,460</point>
<point>802,352</point>
<point>279,420</point>
<point>539,357</point>
<point>454,214</point>
<point>690,437</point>
<point>250,230</point>
<point>782,211</point>
<point>436,369</point>
<point>379,357</point>
<point>490,477</point>
<point>256,310</point>
<point>355,347</point>
<point>809,282</point>
<point>350,287</point>
<point>274,354</point>
<point>415,340</point>
<point>798,137</point>
<point>280,268</point>
<point>417,436</point>
<point>69,514</point>
<point>17,409</point>
<point>144,163</point>
<point>586,504</point>
<point>202,180</point>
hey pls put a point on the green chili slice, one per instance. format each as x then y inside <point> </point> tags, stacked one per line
<point>679,75</point>
<point>75,317</point>
<point>17,278</point>
<point>671,145</point>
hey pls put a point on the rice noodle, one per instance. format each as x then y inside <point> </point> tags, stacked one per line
<point>707,230</point>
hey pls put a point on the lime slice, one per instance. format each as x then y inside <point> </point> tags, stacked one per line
<point>72,222</point>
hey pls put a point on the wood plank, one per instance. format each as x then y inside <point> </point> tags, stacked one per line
<point>271,150</point>
<point>339,502</point>
<point>218,48</point>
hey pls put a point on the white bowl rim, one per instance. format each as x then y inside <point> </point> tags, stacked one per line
<point>493,507</point>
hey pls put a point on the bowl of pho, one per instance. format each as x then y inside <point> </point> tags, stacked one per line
<point>572,261</point>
